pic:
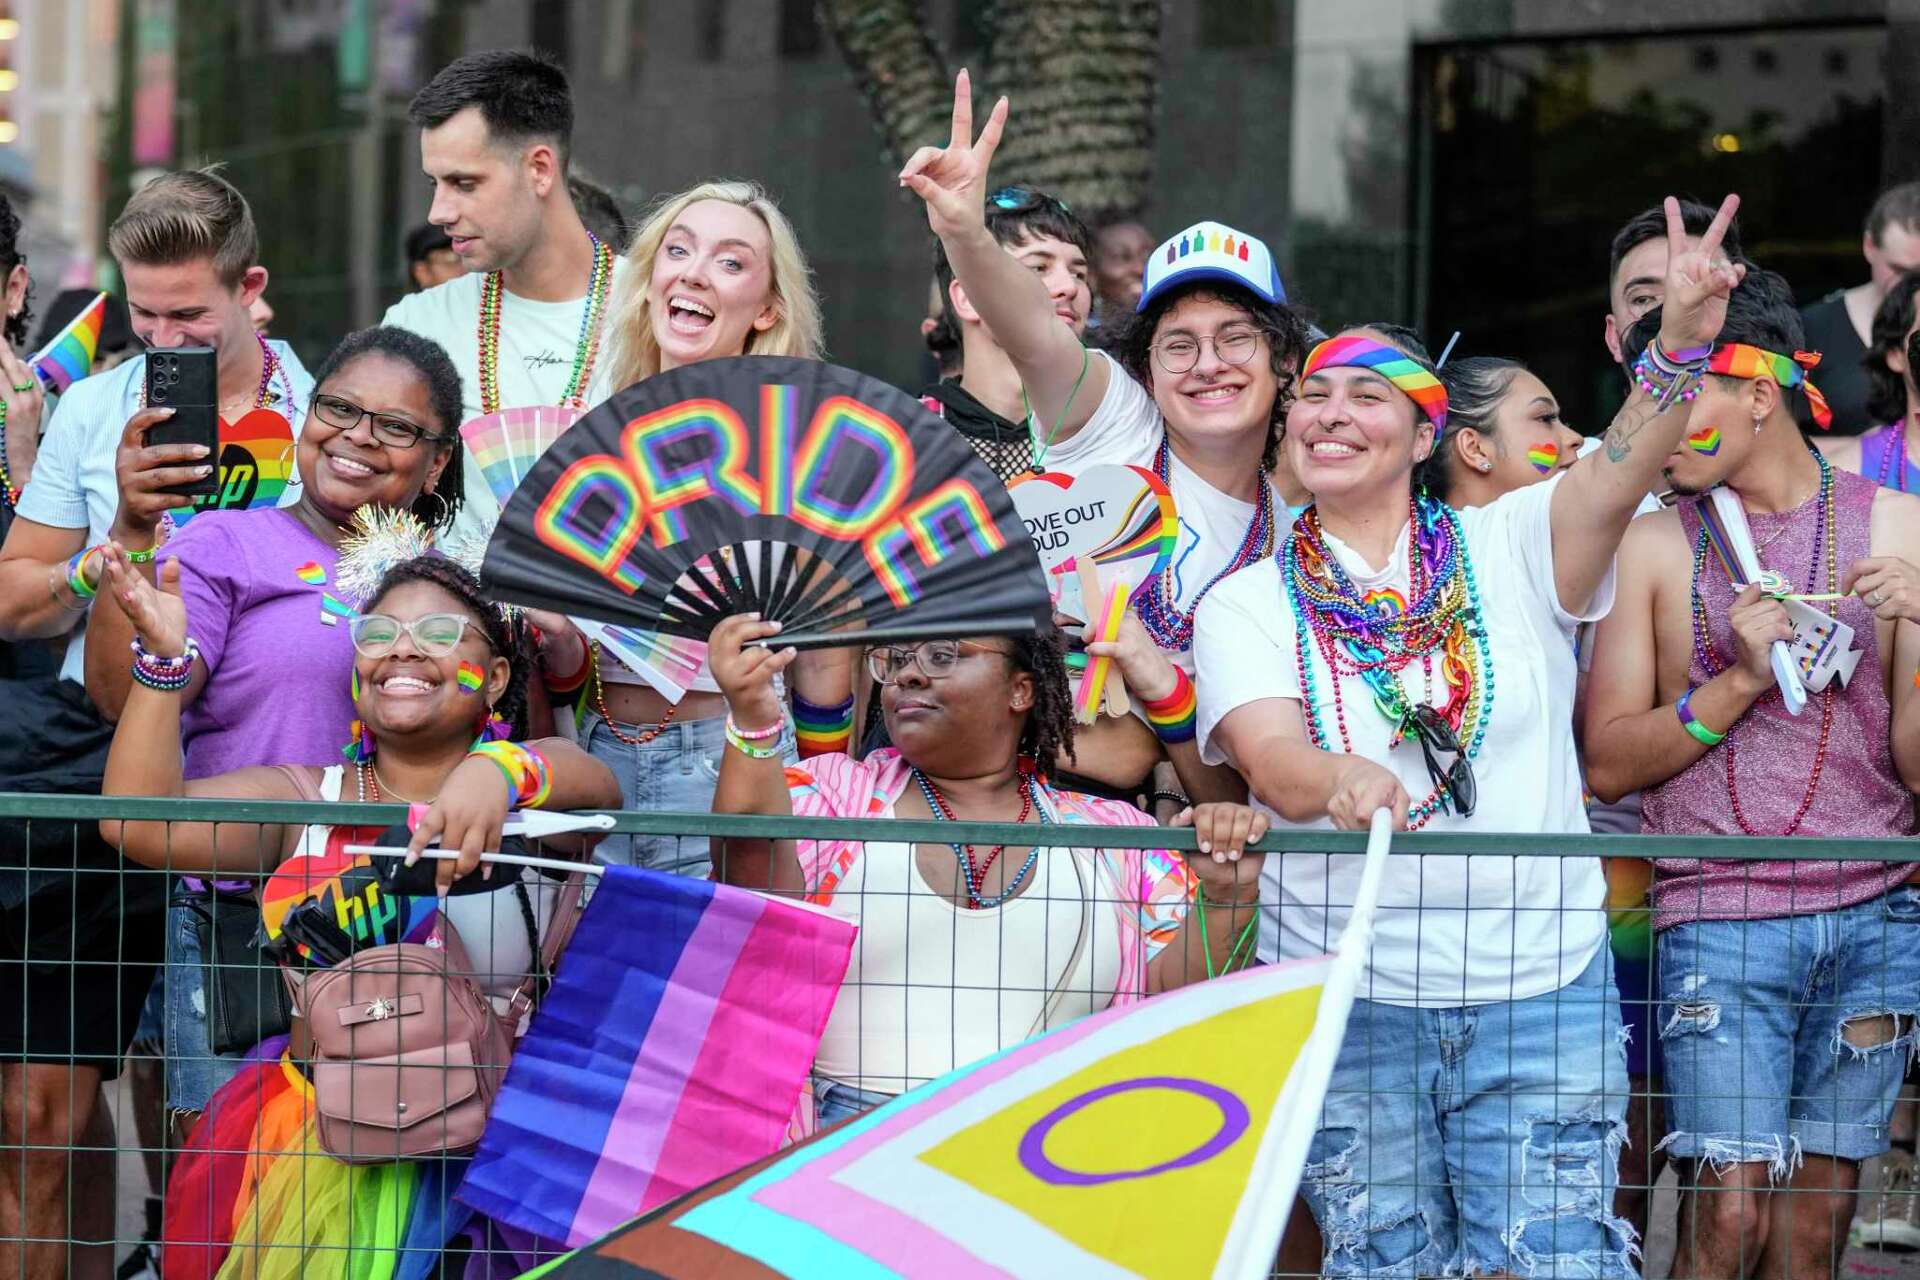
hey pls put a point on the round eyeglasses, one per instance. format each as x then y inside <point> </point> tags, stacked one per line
<point>1181,352</point>
<point>375,635</point>
<point>936,659</point>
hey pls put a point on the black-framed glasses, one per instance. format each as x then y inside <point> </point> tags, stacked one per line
<point>1234,345</point>
<point>936,659</point>
<point>1021,199</point>
<point>1437,739</point>
<point>344,415</point>
<point>375,635</point>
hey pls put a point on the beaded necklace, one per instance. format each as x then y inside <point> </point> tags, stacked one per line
<point>975,876</point>
<point>269,365</point>
<point>1159,607</point>
<point>9,496</point>
<point>1375,637</point>
<point>585,347</point>
<point>1703,652</point>
<point>1893,475</point>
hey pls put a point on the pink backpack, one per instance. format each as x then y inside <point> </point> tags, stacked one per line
<point>407,1051</point>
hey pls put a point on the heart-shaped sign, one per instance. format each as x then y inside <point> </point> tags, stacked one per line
<point>256,463</point>
<point>1117,517</point>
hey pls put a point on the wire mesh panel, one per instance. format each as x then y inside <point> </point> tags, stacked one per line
<point>1683,1088</point>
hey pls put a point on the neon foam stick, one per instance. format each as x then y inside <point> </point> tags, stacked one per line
<point>1093,685</point>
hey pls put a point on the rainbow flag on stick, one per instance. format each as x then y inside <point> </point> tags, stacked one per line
<point>682,1022</point>
<point>69,356</point>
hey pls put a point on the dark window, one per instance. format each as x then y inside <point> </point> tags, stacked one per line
<point>1705,57</point>
<point>799,29</point>
<point>1238,24</point>
<point>1766,60</point>
<point>1836,62</point>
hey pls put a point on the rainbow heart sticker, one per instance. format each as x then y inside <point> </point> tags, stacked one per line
<point>1384,602</point>
<point>311,573</point>
<point>1706,440</point>
<point>1543,457</point>
<point>470,676</point>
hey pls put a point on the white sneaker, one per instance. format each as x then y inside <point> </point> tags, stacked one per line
<point>1893,1218</point>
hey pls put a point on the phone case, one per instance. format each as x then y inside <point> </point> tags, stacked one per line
<point>185,379</point>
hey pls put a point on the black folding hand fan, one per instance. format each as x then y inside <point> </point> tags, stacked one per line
<point>818,497</point>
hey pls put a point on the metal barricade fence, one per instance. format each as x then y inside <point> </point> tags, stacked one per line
<point>1511,1111</point>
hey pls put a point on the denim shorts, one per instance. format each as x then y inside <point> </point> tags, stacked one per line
<point>192,1069</point>
<point>1761,1062</point>
<point>675,771</point>
<point>834,1102</point>
<point>1474,1139</point>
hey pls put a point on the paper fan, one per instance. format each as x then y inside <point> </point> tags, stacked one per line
<point>811,494</point>
<point>506,445</point>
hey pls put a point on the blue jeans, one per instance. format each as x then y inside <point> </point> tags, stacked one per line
<point>1777,1032</point>
<point>193,1071</point>
<point>675,771</point>
<point>834,1102</point>
<point>1477,1138</point>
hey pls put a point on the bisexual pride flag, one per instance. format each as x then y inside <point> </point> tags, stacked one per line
<point>69,356</point>
<point>670,1050</point>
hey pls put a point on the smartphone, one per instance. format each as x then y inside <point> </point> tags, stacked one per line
<point>184,380</point>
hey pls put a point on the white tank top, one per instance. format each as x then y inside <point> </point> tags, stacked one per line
<point>933,987</point>
<point>493,929</point>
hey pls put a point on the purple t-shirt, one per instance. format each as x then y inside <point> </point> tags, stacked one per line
<point>279,666</point>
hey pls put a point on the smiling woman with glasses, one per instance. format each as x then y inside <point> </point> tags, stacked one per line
<point>966,949</point>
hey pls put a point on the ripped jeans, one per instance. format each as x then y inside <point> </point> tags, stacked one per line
<point>1789,1036</point>
<point>1476,1139</point>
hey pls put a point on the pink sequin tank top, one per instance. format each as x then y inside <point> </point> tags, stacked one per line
<point>1859,792</point>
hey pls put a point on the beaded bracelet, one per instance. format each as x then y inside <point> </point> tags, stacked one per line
<point>749,742</point>
<point>1663,385</point>
<point>1172,716</point>
<point>77,574</point>
<point>1699,732</point>
<point>821,731</point>
<point>166,674</point>
<point>529,779</point>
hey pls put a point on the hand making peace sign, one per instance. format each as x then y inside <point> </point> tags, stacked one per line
<point>1698,280</point>
<point>953,179</point>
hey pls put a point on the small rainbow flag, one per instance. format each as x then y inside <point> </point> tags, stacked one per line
<point>69,356</point>
<point>332,608</point>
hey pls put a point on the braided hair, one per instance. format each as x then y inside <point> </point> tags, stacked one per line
<point>430,360</point>
<point>1048,734</point>
<point>508,638</point>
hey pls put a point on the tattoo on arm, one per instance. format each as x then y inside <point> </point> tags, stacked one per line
<point>1629,423</point>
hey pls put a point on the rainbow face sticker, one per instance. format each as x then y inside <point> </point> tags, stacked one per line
<point>1385,602</point>
<point>311,573</point>
<point>470,676</point>
<point>1706,440</point>
<point>1544,457</point>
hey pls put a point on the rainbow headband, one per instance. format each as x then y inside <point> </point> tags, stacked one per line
<point>1738,360</point>
<point>1394,365</point>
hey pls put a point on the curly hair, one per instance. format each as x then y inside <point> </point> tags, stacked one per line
<point>11,257</point>
<point>1285,331</point>
<point>430,360</point>
<point>1887,390</point>
<point>1048,734</point>
<point>508,637</point>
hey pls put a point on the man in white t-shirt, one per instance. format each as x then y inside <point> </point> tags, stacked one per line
<point>524,325</point>
<point>1396,654</point>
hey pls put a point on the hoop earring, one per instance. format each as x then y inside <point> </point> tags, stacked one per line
<point>446,509</point>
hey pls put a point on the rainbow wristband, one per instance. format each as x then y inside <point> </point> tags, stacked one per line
<point>529,779</point>
<point>822,731</point>
<point>1699,732</point>
<point>77,574</point>
<point>1172,717</point>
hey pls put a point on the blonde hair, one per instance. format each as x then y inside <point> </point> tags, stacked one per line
<point>187,215</point>
<point>633,352</point>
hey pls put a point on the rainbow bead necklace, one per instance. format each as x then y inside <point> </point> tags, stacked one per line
<point>586,347</point>
<point>1358,635</point>
<point>1159,607</point>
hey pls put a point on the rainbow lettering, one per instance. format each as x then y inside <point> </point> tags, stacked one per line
<point>842,429</point>
<point>1543,457</point>
<point>934,526</point>
<point>564,523</point>
<point>1706,440</point>
<point>721,471</point>
<point>776,449</point>
<point>470,676</point>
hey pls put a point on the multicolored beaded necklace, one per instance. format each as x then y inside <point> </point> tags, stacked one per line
<point>1159,606</point>
<point>585,348</point>
<point>1893,459</point>
<point>1824,546</point>
<point>1376,635</point>
<point>269,366</point>
<point>976,875</point>
<point>9,495</point>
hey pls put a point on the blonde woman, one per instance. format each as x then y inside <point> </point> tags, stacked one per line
<point>714,271</point>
